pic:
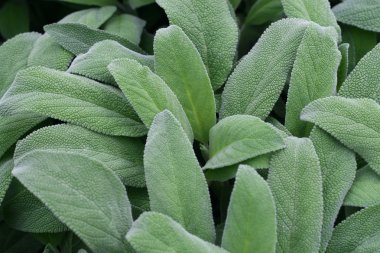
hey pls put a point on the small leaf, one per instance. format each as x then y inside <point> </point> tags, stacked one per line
<point>14,18</point>
<point>92,18</point>
<point>174,179</point>
<point>251,219</point>
<point>263,11</point>
<point>157,233</point>
<point>179,64</point>
<point>147,92</point>
<point>296,183</point>
<point>126,26</point>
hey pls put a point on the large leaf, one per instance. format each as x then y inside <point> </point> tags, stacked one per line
<point>73,99</point>
<point>354,122</point>
<point>241,137</point>
<point>256,92</point>
<point>364,80</point>
<point>338,166</point>
<point>157,233</point>
<point>296,183</point>
<point>147,92</point>
<point>85,195</point>
<point>123,155</point>
<point>251,218</point>
<point>365,189</point>
<point>264,11</point>
<point>179,64</point>
<point>78,38</point>
<point>126,26</point>
<point>93,64</point>
<point>175,182</point>
<point>364,14</point>
<point>6,166</point>
<point>359,233</point>
<point>314,75</point>
<point>13,241</point>
<point>14,18</point>
<point>211,27</point>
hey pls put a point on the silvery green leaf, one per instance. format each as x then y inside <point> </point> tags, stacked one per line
<point>93,17</point>
<point>126,26</point>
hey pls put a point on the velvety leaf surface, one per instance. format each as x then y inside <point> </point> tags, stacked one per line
<point>175,182</point>
<point>251,217</point>
<point>6,166</point>
<point>296,183</point>
<point>126,26</point>
<point>179,64</point>
<point>93,17</point>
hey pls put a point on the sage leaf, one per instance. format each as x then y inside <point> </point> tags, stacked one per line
<point>126,26</point>
<point>92,2</point>
<point>263,11</point>
<point>13,241</point>
<point>6,166</point>
<point>344,64</point>
<point>14,18</point>
<point>175,182</point>
<point>139,3</point>
<point>93,17</point>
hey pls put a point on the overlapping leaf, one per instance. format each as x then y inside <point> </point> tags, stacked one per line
<point>126,26</point>
<point>6,166</point>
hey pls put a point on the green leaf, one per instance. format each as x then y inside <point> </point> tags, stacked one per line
<point>296,183</point>
<point>14,18</point>
<point>241,137</point>
<point>211,27</point>
<point>256,92</point>
<point>365,189</point>
<point>364,14</point>
<point>123,155</point>
<point>73,99</point>
<point>126,26</point>
<point>97,210</point>
<point>354,122</point>
<point>175,182</point>
<point>251,219</point>
<point>318,11</point>
<point>147,92</point>
<point>157,233</point>
<point>6,166</point>
<point>92,2</point>
<point>338,166</point>
<point>264,11</point>
<point>78,38</point>
<point>359,233</point>
<point>314,75</point>
<point>93,17</point>
<point>139,3</point>
<point>13,241</point>
<point>179,64</point>
<point>363,81</point>
<point>344,64</point>
<point>93,64</point>
<point>235,3</point>
<point>139,199</point>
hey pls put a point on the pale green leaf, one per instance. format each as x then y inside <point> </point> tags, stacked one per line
<point>147,92</point>
<point>92,18</point>
<point>73,99</point>
<point>14,18</point>
<point>263,11</point>
<point>213,30</point>
<point>241,137</point>
<point>296,183</point>
<point>179,64</point>
<point>157,233</point>
<point>251,218</point>
<point>175,182</point>
<point>354,122</point>
<point>85,195</point>
<point>6,166</point>
<point>126,26</point>
<point>92,2</point>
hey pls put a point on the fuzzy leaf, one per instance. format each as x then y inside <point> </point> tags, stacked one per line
<point>126,26</point>
<point>73,99</point>
<point>147,92</point>
<point>354,122</point>
<point>263,11</point>
<point>157,233</point>
<point>175,182</point>
<point>97,210</point>
<point>93,17</point>
<point>179,64</point>
<point>344,64</point>
<point>241,137</point>
<point>296,183</point>
<point>211,27</point>
<point>6,166</point>
<point>251,218</point>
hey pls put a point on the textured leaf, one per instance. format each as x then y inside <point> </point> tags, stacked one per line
<point>6,166</point>
<point>241,137</point>
<point>157,233</point>
<point>364,80</point>
<point>359,233</point>
<point>97,210</point>
<point>78,38</point>
<point>344,64</point>
<point>12,241</point>
<point>147,92</point>
<point>175,182</point>
<point>126,26</point>
<point>123,155</point>
<point>73,99</point>
<point>365,189</point>
<point>93,64</point>
<point>179,64</point>
<point>14,18</point>
<point>211,27</point>
<point>364,14</point>
<point>251,219</point>
<point>338,166</point>
<point>354,122</point>
<point>314,75</point>
<point>264,11</point>
<point>296,183</point>
<point>255,92</point>
<point>92,18</point>
<point>92,2</point>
